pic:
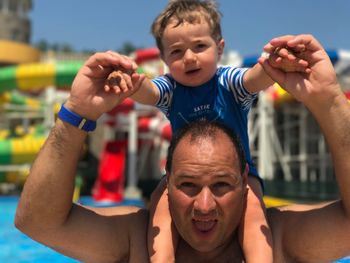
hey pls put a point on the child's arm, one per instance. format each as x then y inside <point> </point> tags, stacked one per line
<point>121,81</point>
<point>256,79</point>
<point>147,94</point>
<point>255,233</point>
<point>162,236</point>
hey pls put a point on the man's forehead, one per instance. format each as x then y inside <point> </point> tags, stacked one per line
<point>214,157</point>
<point>217,142</point>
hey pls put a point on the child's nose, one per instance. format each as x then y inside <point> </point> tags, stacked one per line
<point>189,56</point>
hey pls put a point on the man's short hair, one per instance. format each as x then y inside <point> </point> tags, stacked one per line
<point>202,129</point>
<point>190,11</point>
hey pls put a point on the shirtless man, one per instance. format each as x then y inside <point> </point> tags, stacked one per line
<point>205,172</point>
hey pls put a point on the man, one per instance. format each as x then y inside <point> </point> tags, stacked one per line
<point>205,176</point>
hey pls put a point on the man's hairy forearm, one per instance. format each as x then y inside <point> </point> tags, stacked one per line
<point>335,123</point>
<point>47,196</point>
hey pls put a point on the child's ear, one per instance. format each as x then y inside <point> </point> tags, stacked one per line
<point>221,46</point>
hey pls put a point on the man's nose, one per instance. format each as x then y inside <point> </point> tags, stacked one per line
<point>189,56</point>
<point>205,201</point>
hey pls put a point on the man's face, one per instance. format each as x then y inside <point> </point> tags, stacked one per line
<point>206,191</point>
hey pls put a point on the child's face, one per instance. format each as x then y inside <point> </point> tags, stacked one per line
<point>191,53</point>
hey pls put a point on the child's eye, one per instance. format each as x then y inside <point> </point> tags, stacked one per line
<point>201,46</point>
<point>175,52</point>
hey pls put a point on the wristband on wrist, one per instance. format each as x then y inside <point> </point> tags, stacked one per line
<point>76,120</point>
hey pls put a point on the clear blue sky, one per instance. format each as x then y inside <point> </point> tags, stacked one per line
<point>247,24</point>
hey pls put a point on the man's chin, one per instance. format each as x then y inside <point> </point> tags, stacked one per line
<point>204,235</point>
<point>204,247</point>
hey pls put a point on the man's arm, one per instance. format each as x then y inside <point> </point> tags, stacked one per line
<point>320,233</point>
<point>45,211</point>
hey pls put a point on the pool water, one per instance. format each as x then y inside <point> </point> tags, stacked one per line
<point>16,247</point>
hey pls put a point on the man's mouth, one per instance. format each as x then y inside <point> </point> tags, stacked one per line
<point>204,225</point>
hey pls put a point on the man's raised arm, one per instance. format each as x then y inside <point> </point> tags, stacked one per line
<point>45,211</point>
<point>319,233</point>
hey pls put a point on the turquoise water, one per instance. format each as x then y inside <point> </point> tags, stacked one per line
<point>15,247</point>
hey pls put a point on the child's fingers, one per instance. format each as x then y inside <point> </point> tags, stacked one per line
<point>123,85</point>
<point>113,82</point>
<point>128,82</point>
<point>284,53</point>
<point>107,88</point>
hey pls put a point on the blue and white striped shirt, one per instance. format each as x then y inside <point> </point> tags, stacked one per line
<point>223,98</point>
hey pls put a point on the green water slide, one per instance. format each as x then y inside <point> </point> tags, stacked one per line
<point>26,77</point>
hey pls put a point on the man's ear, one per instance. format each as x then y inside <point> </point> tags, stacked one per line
<point>245,175</point>
<point>167,177</point>
<point>221,46</point>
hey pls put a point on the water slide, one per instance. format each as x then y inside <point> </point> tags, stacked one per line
<point>109,185</point>
<point>29,77</point>
<point>36,76</point>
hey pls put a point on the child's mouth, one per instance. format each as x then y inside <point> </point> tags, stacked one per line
<point>192,71</point>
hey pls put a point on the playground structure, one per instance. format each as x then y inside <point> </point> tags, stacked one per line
<point>28,101</point>
<point>285,141</point>
<point>31,93</point>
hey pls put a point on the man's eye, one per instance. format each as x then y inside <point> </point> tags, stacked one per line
<point>189,188</point>
<point>221,184</point>
<point>188,185</point>
<point>221,188</point>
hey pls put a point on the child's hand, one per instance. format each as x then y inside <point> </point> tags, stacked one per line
<point>119,81</point>
<point>123,82</point>
<point>287,58</point>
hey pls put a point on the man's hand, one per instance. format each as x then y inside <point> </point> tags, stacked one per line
<point>89,96</point>
<point>317,84</point>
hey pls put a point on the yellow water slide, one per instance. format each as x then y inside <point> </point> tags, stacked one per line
<point>36,76</point>
<point>29,77</point>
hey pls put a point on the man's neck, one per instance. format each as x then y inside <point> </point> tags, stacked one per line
<point>230,252</point>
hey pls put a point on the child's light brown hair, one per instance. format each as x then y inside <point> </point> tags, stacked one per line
<point>190,11</point>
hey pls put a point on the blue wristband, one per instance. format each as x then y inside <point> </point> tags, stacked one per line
<point>76,120</point>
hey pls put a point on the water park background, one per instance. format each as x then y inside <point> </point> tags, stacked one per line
<point>123,160</point>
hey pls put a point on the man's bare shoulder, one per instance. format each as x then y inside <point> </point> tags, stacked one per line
<point>121,232</point>
<point>304,231</point>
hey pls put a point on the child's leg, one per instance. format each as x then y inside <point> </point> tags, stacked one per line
<point>256,237</point>
<point>162,237</point>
